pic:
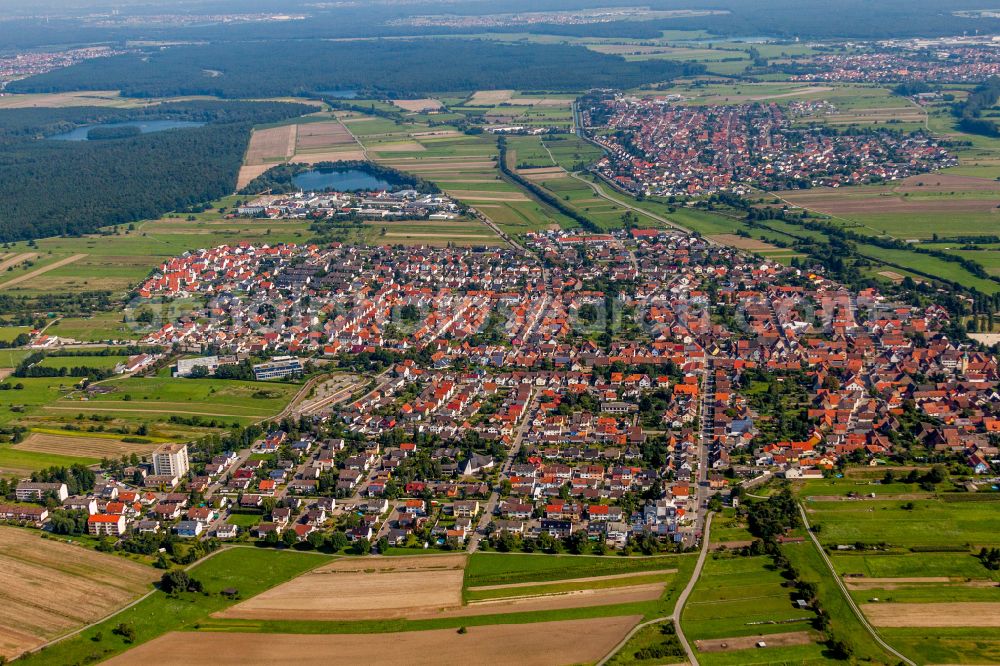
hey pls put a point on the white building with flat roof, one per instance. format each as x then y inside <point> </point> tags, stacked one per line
<point>171,460</point>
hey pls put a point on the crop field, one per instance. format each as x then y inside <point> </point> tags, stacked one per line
<point>9,333</point>
<point>459,232</point>
<point>508,568</point>
<point>82,445</point>
<point>50,588</point>
<point>247,570</point>
<point>424,587</point>
<point>580,641</point>
<point>359,589</point>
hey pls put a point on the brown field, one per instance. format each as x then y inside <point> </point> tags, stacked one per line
<point>15,259</point>
<point>906,114</point>
<point>248,173</point>
<point>474,195</point>
<point>747,642</point>
<point>964,614</point>
<point>49,588</point>
<point>892,275</point>
<point>579,641</point>
<point>943,182</point>
<point>407,587</point>
<point>41,271</point>
<point>590,579</point>
<point>87,447</point>
<point>321,136</point>
<point>805,90</point>
<point>356,588</point>
<point>397,147</point>
<point>349,154</point>
<point>418,105</point>
<point>741,243</point>
<point>272,145</point>
<point>438,134</point>
<point>490,97</point>
<point>833,202</point>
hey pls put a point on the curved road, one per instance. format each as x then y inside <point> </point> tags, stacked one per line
<point>847,595</point>
<point>678,607</point>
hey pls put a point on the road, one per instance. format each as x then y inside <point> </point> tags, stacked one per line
<point>675,616</point>
<point>847,595</point>
<point>491,503</point>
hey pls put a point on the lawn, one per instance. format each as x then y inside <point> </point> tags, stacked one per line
<point>930,522</point>
<point>248,570</point>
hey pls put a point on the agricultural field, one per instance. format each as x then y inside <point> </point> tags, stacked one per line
<point>51,588</point>
<point>739,601</point>
<point>85,445</point>
<point>247,570</point>
<point>927,575</point>
<point>96,328</point>
<point>157,398</point>
<point>580,641</point>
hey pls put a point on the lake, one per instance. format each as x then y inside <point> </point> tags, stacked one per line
<point>145,127</point>
<point>340,180</point>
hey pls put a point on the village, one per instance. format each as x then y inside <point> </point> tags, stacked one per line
<point>384,205</point>
<point>603,388</point>
<point>658,148</point>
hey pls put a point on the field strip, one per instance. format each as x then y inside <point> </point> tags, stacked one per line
<point>15,259</point>
<point>978,614</point>
<point>42,270</point>
<point>87,407</point>
<point>534,644</point>
<point>510,586</point>
<point>783,639</point>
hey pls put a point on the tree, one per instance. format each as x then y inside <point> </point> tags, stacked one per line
<point>289,537</point>
<point>338,541</point>
<point>316,539</point>
<point>126,631</point>
<point>175,580</point>
<point>361,547</point>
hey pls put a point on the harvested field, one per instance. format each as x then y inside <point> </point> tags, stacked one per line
<point>905,114</point>
<point>490,97</point>
<point>418,105</point>
<point>966,614</point>
<point>580,641</point>
<point>805,90</point>
<point>408,587</point>
<point>40,271</point>
<point>49,588</point>
<point>399,147</point>
<point>348,154</point>
<point>438,134</point>
<point>836,203</point>
<point>430,166</point>
<point>15,259</point>
<point>248,173</point>
<point>943,182</point>
<point>892,275</point>
<point>562,581</point>
<point>474,195</point>
<point>361,588</point>
<point>741,243</point>
<point>747,642</point>
<point>271,146</point>
<point>83,446</point>
<point>320,136</point>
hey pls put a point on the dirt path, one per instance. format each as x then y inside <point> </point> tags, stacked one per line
<point>45,269</point>
<point>511,586</point>
<point>15,259</point>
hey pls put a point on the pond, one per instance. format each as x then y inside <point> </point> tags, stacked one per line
<point>145,127</point>
<point>340,180</point>
<point>338,94</point>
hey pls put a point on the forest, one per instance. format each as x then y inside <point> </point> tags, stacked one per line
<point>75,187</point>
<point>271,69</point>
